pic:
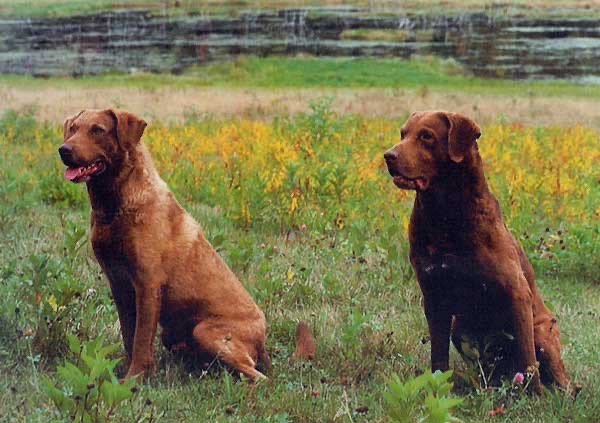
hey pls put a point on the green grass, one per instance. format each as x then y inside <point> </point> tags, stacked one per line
<point>312,274</point>
<point>344,377</point>
<point>62,8</point>
<point>400,35</point>
<point>423,73</point>
<point>368,34</point>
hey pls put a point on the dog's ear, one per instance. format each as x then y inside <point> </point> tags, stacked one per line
<point>68,122</point>
<point>462,133</point>
<point>129,128</point>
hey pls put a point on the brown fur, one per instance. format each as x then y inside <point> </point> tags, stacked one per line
<point>306,346</point>
<point>475,277</point>
<point>160,267</point>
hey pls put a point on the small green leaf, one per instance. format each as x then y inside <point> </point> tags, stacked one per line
<point>74,344</point>
<point>55,394</point>
<point>74,378</point>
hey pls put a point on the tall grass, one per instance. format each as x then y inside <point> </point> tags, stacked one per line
<point>302,209</point>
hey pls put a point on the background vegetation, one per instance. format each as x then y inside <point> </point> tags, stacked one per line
<point>425,73</point>
<point>302,209</point>
<point>62,8</point>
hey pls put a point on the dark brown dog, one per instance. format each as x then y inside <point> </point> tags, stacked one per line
<point>476,280</point>
<point>159,265</point>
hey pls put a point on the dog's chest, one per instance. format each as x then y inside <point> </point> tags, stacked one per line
<point>107,239</point>
<point>446,266</point>
<point>111,244</point>
<point>457,280</point>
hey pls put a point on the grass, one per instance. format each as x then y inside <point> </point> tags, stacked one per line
<point>345,272</point>
<point>268,87</point>
<point>367,34</point>
<point>62,8</point>
<point>309,72</point>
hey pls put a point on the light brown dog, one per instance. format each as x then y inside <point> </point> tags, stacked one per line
<point>475,278</point>
<point>160,267</point>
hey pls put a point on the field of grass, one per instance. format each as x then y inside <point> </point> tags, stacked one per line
<point>268,87</point>
<point>61,8</point>
<point>426,72</point>
<point>302,209</point>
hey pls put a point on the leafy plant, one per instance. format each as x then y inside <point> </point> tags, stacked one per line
<point>89,391</point>
<point>423,398</point>
<point>350,334</point>
<point>321,120</point>
<point>52,298</point>
<point>75,238</point>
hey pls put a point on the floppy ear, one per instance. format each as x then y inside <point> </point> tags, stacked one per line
<point>68,123</point>
<point>129,128</point>
<point>462,133</point>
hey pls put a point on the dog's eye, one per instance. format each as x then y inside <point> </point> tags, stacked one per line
<point>97,130</point>
<point>426,136</point>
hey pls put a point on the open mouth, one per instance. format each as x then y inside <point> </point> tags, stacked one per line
<point>84,173</point>
<point>403,182</point>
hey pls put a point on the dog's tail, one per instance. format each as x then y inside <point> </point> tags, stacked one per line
<point>306,346</point>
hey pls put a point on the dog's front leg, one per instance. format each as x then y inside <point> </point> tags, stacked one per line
<point>124,298</point>
<point>522,311</point>
<point>147,305</point>
<point>439,320</point>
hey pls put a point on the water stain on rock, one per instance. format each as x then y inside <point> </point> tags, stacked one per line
<point>486,45</point>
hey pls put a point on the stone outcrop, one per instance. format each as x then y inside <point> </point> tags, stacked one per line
<point>138,40</point>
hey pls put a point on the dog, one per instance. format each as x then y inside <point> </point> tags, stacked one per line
<point>475,278</point>
<point>160,267</point>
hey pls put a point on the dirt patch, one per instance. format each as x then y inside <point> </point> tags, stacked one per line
<point>168,104</point>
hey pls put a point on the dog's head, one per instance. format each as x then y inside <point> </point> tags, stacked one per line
<point>429,143</point>
<point>96,142</point>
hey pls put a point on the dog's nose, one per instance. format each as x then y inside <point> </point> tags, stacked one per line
<point>390,155</point>
<point>65,151</point>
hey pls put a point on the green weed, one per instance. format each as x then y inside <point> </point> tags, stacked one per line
<point>424,398</point>
<point>89,390</point>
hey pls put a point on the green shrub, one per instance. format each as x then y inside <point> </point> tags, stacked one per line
<point>421,399</point>
<point>88,390</point>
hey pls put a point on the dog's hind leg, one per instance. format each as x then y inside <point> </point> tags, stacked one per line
<point>264,360</point>
<point>221,343</point>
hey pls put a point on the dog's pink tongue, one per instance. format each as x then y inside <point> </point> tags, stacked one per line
<point>72,172</point>
<point>421,183</point>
